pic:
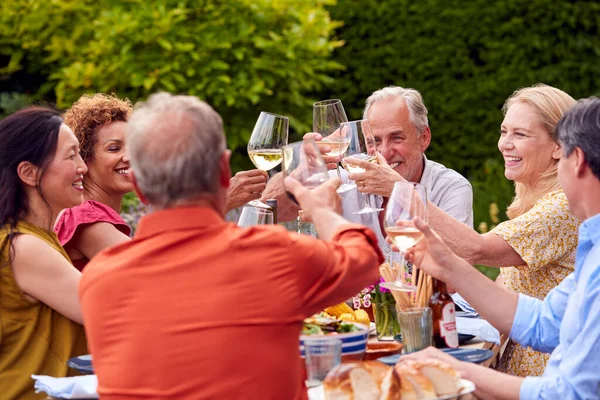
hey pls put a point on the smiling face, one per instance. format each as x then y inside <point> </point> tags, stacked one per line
<point>526,146</point>
<point>396,137</point>
<point>62,182</point>
<point>109,167</point>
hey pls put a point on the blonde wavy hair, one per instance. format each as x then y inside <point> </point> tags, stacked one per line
<point>92,112</point>
<point>550,104</point>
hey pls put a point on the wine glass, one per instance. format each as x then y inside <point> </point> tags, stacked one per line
<point>407,201</point>
<point>327,117</point>
<point>361,146</point>
<point>251,216</point>
<point>270,134</point>
<point>303,162</point>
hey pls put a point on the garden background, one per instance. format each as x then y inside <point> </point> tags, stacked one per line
<point>245,56</point>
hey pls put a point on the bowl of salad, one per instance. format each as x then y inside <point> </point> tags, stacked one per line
<point>353,335</point>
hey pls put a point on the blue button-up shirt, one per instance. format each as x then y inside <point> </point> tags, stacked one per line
<point>567,324</point>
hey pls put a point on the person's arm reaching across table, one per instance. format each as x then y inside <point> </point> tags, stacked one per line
<point>343,262</point>
<point>530,322</point>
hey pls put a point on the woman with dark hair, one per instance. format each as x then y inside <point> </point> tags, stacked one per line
<point>41,173</point>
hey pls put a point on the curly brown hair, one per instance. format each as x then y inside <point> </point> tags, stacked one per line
<point>92,112</point>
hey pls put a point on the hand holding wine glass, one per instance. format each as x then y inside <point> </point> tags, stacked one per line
<point>302,161</point>
<point>328,115</point>
<point>361,148</point>
<point>331,161</point>
<point>270,134</point>
<point>407,201</point>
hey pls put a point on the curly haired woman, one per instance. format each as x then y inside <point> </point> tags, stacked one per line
<point>99,122</point>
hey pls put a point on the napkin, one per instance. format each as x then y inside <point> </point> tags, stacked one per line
<point>478,327</point>
<point>75,387</point>
<point>463,304</point>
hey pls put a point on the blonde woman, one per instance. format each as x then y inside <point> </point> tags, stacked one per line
<point>536,247</point>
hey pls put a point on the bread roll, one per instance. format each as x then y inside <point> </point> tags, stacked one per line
<point>355,381</point>
<point>445,380</point>
<point>407,380</point>
<point>423,388</point>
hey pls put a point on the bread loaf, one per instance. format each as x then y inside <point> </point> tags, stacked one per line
<point>407,380</point>
<point>444,378</point>
<point>422,387</point>
<point>355,381</point>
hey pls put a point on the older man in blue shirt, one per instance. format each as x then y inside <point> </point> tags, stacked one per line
<point>566,322</point>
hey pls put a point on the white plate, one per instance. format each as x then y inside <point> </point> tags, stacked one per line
<point>318,393</point>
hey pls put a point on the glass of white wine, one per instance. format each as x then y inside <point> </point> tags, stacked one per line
<point>270,134</point>
<point>303,162</point>
<point>251,216</point>
<point>407,201</point>
<point>328,115</point>
<point>361,145</point>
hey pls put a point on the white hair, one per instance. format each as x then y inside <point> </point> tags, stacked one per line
<point>417,111</point>
<point>175,144</point>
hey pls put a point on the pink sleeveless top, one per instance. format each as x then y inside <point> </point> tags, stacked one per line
<point>88,212</point>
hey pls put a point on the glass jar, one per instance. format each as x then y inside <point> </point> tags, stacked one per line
<point>386,320</point>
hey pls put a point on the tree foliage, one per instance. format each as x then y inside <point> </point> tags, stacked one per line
<point>466,58</point>
<point>241,56</point>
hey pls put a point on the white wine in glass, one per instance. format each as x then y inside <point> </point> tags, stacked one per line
<point>337,147</point>
<point>270,134</point>
<point>265,159</point>
<point>362,147</point>
<point>328,115</point>
<point>407,201</point>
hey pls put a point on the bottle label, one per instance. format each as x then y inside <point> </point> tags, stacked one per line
<point>448,326</point>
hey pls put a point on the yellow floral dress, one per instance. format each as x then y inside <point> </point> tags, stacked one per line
<point>546,239</point>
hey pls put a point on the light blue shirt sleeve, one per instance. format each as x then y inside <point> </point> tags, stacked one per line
<point>572,372</point>
<point>537,323</point>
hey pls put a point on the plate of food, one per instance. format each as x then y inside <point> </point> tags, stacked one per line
<point>426,379</point>
<point>353,335</point>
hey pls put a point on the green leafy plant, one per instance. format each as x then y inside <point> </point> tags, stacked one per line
<point>241,56</point>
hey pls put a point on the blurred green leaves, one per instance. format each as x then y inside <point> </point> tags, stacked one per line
<point>240,56</point>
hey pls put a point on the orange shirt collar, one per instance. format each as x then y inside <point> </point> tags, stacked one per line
<point>174,219</point>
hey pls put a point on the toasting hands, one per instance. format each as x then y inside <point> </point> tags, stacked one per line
<point>245,186</point>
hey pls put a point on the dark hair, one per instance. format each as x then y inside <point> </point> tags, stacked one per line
<point>580,127</point>
<point>30,135</point>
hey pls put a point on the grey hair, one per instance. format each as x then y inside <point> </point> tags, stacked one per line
<point>417,111</point>
<point>175,144</point>
<point>580,127</point>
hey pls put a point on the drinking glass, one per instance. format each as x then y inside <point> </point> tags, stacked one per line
<point>361,146</point>
<point>416,327</point>
<point>408,200</point>
<point>321,356</point>
<point>270,134</point>
<point>251,216</point>
<point>303,161</point>
<point>327,117</point>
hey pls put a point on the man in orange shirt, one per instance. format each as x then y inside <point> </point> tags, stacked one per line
<point>197,308</point>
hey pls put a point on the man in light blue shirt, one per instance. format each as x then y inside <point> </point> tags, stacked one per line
<point>566,323</point>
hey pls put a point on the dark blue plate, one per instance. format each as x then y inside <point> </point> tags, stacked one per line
<point>462,338</point>
<point>82,364</point>
<point>468,355</point>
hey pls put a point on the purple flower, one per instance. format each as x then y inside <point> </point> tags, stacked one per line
<point>367,303</point>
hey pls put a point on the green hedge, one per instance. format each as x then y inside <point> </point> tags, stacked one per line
<point>242,56</point>
<point>466,58</point>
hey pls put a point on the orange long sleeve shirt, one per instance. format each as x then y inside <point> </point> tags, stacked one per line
<point>197,308</point>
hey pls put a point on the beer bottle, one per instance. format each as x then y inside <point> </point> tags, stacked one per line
<point>273,204</point>
<point>443,316</point>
